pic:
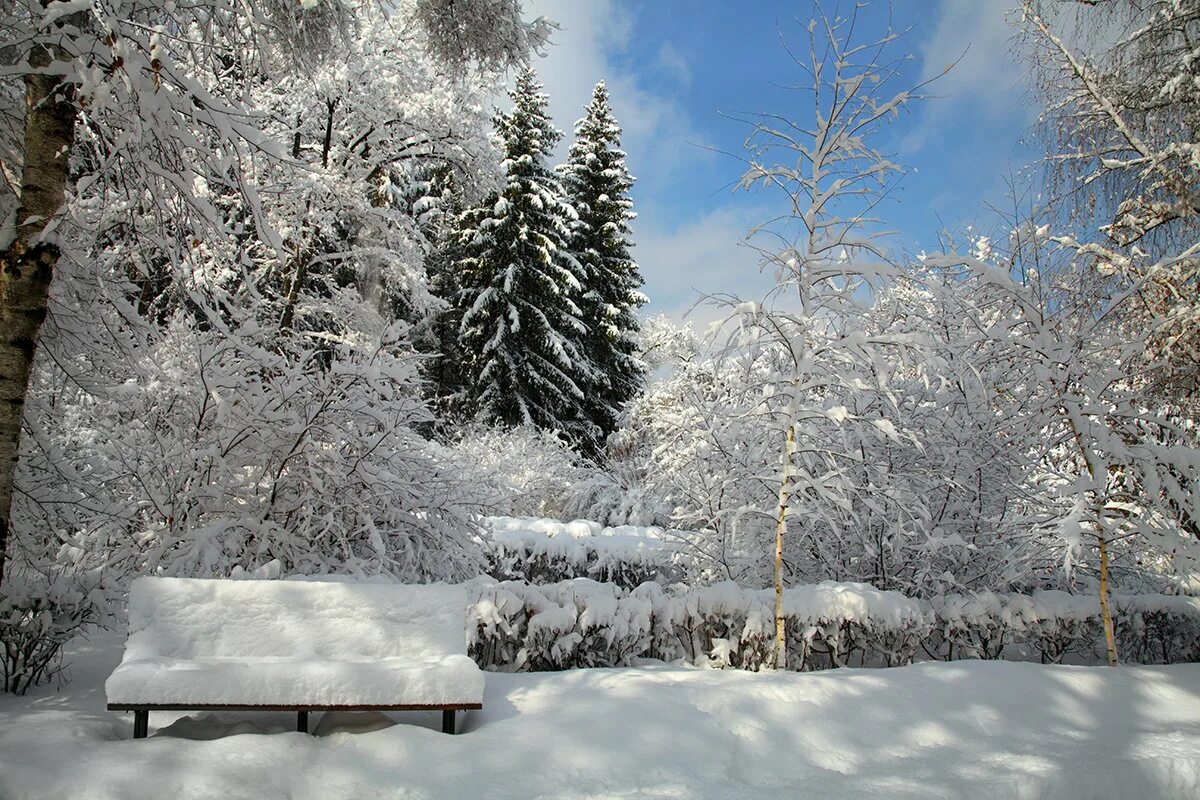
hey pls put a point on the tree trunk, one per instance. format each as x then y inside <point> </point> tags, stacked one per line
<point>781,526</point>
<point>28,263</point>
<point>1110,640</point>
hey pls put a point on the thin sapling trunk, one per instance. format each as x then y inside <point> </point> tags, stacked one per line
<point>785,483</point>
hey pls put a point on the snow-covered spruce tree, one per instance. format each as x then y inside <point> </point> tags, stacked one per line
<point>522,336</point>
<point>597,184</point>
<point>438,204</point>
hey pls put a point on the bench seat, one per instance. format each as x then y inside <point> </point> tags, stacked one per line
<point>450,681</point>
<point>304,645</point>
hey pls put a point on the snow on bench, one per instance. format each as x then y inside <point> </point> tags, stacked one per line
<point>299,646</point>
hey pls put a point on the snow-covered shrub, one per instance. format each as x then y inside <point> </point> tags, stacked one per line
<point>576,623</point>
<point>57,578</point>
<point>40,611</point>
<point>993,625</point>
<point>543,551</point>
<point>1056,624</point>
<point>539,475</point>
<point>218,452</point>
<point>533,468</point>
<point>845,624</point>
<point>516,626</point>
<point>827,625</point>
<point>719,625</point>
<point>1150,628</point>
<point>612,626</point>
<point>968,626</point>
<point>1156,629</point>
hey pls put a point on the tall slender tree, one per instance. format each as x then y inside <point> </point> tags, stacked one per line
<point>814,329</point>
<point>598,183</point>
<point>522,333</point>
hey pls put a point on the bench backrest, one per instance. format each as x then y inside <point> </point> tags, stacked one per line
<point>199,618</point>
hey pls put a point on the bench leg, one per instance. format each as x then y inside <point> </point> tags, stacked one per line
<point>141,724</point>
<point>448,721</point>
<point>302,721</point>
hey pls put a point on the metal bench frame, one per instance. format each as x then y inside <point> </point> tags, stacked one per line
<point>141,712</point>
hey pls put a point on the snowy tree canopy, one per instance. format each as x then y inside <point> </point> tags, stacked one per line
<point>1122,116</point>
<point>226,379</point>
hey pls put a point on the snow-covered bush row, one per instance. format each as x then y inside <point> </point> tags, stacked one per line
<point>1150,628</point>
<point>515,626</point>
<point>544,551</point>
<point>828,625</point>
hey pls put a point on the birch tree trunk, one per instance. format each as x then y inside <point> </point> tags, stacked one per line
<point>785,481</point>
<point>1110,641</point>
<point>27,266</point>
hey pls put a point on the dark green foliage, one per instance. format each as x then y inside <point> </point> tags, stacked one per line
<point>522,335</point>
<point>598,185</point>
<point>437,335</point>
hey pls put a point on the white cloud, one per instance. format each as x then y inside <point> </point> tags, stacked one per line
<point>656,126</point>
<point>703,256</point>
<point>987,79</point>
<point>673,63</point>
<point>977,35</point>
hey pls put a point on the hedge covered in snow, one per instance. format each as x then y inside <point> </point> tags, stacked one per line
<point>516,626</point>
<point>1150,628</point>
<point>545,551</point>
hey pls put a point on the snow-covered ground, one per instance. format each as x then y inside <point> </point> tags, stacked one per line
<point>934,730</point>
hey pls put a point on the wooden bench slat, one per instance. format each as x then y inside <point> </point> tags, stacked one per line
<point>296,707</point>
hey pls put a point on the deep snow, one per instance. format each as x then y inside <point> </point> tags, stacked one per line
<point>934,730</point>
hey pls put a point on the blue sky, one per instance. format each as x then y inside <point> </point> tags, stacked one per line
<point>675,69</point>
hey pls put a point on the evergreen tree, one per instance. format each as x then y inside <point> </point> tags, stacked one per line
<point>444,372</point>
<point>597,184</point>
<point>435,201</point>
<point>522,333</point>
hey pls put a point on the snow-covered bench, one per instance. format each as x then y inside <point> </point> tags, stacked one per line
<point>294,646</point>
